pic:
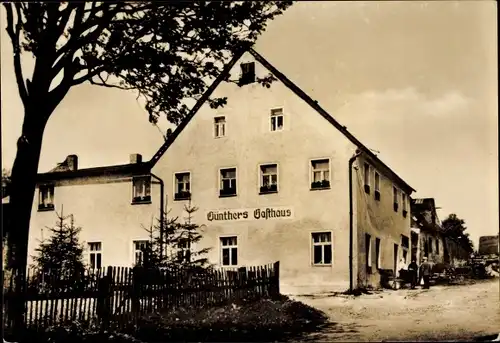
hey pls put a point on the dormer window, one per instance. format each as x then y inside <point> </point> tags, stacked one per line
<point>141,190</point>
<point>247,73</point>
<point>46,198</point>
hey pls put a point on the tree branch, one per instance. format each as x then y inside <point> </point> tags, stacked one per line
<point>14,36</point>
<point>76,41</point>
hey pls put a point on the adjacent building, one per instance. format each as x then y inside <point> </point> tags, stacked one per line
<point>273,175</point>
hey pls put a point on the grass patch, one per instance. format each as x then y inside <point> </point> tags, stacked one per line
<point>262,320</point>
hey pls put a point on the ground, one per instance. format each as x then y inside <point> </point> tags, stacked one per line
<point>451,313</point>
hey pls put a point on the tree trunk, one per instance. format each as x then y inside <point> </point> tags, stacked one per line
<point>24,172</point>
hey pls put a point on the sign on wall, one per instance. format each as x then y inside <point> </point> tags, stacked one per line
<point>261,213</point>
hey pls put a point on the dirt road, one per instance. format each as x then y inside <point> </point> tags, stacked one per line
<point>451,313</point>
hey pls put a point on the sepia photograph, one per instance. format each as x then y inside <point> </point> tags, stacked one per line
<point>249,171</point>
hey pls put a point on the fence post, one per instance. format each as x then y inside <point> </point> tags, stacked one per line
<point>277,278</point>
<point>103,300</point>
<point>135,290</point>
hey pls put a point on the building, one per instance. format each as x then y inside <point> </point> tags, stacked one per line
<point>428,239</point>
<point>488,245</point>
<point>274,176</point>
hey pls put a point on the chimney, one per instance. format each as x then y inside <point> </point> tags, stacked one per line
<point>135,158</point>
<point>72,161</point>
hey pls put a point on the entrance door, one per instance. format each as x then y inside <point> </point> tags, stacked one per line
<point>395,259</point>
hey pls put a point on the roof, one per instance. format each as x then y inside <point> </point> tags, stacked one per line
<point>116,170</point>
<point>103,171</point>
<point>424,214</point>
<point>295,89</point>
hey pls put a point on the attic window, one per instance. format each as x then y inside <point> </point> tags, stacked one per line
<point>247,73</point>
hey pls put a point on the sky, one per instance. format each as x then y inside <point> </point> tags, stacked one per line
<point>415,81</point>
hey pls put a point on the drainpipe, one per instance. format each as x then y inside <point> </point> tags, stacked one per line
<point>162,191</point>
<point>351,229</point>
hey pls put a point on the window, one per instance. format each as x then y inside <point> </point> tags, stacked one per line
<point>395,198</point>
<point>247,73</point>
<point>403,203</point>
<point>229,251</point>
<point>430,245</point>
<point>95,251</point>
<point>320,174</point>
<point>377,252</point>
<point>268,178</point>
<point>368,250</point>
<point>219,127</point>
<point>227,182</point>
<point>437,246</point>
<point>182,186</point>
<point>367,178</point>
<point>46,198</point>
<point>405,256</point>
<point>277,119</point>
<point>405,241</point>
<point>184,251</point>
<point>139,249</point>
<point>141,189</point>
<point>377,186</point>
<point>322,248</point>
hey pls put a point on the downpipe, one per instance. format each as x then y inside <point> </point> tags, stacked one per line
<point>162,197</point>
<point>351,220</point>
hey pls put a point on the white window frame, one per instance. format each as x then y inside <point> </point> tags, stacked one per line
<point>395,195</point>
<point>276,116</point>
<point>311,171</point>
<point>144,188</point>
<point>403,201</point>
<point>188,247</point>
<point>221,247</point>
<point>94,252</point>
<point>138,251</point>
<point>366,173</point>
<point>175,183</point>
<point>261,175</point>
<point>376,181</point>
<point>369,257</point>
<point>217,127</point>
<point>378,252</point>
<point>46,191</point>
<point>219,186</point>
<point>313,244</point>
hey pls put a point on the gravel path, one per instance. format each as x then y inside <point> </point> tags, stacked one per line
<point>443,313</point>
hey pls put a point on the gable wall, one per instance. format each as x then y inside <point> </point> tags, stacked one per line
<point>248,143</point>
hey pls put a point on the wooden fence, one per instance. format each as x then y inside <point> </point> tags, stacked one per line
<point>117,296</point>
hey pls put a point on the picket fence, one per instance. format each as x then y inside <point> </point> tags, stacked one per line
<point>118,296</point>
